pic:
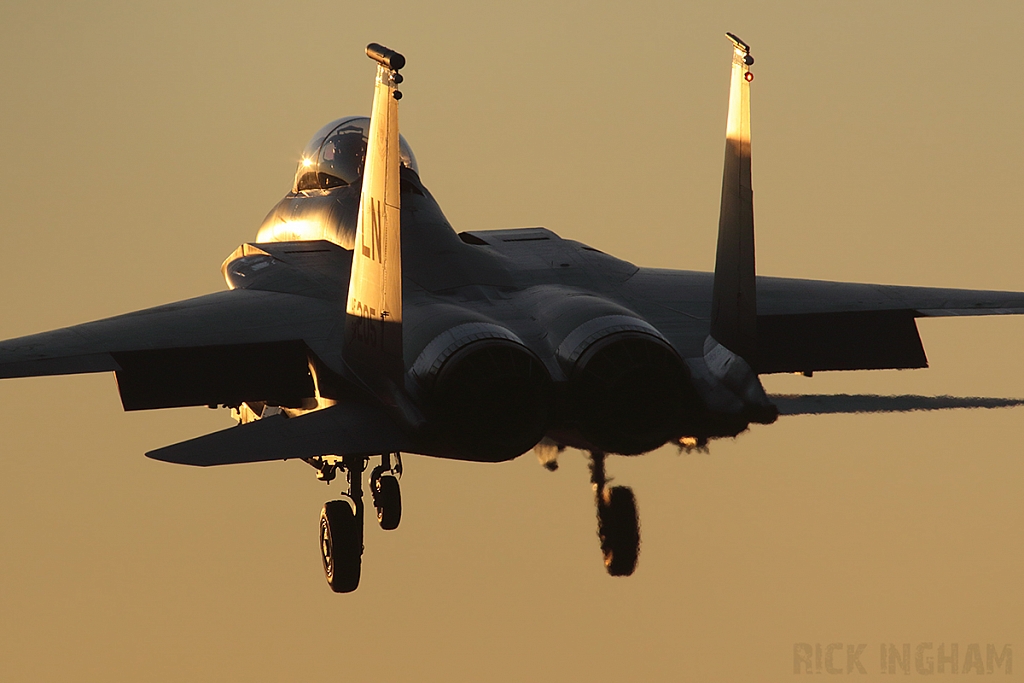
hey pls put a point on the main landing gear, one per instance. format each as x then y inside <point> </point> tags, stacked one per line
<point>387,497</point>
<point>341,521</point>
<point>618,525</point>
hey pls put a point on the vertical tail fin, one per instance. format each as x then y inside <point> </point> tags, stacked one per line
<point>373,326</point>
<point>731,348</point>
<point>734,307</point>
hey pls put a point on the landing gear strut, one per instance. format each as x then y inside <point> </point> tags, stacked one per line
<point>341,521</point>
<point>618,525</point>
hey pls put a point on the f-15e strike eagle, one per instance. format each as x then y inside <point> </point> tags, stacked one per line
<point>360,325</point>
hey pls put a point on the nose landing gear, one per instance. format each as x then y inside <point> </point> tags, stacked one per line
<point>341,521</point>
<point>618,525</point>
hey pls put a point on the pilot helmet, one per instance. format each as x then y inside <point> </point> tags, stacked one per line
<point>336,155</point>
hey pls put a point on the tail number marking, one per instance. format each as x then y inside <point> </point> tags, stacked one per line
<point>373,250</point>
<point>365,328</point>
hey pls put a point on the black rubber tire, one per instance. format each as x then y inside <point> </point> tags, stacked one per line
<point>389,503</point>
<point>619,530</point>
<point>341,546</point>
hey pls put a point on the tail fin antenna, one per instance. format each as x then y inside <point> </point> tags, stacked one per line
<point>734,303</point>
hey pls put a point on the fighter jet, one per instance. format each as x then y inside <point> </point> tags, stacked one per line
<point>360,326</point>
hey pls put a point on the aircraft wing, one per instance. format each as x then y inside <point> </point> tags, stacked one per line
<point>788,296</point>
<point>808,325</point>
<point>218,349</point>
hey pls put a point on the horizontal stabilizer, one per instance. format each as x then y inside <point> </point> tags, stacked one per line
<point>348,429</point>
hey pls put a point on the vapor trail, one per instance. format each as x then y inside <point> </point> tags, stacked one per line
<point>826,404</point>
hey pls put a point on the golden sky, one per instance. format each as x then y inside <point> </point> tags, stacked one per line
<point>141,143</point>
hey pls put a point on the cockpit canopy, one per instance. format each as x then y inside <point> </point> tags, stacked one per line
<point>336,154</point>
